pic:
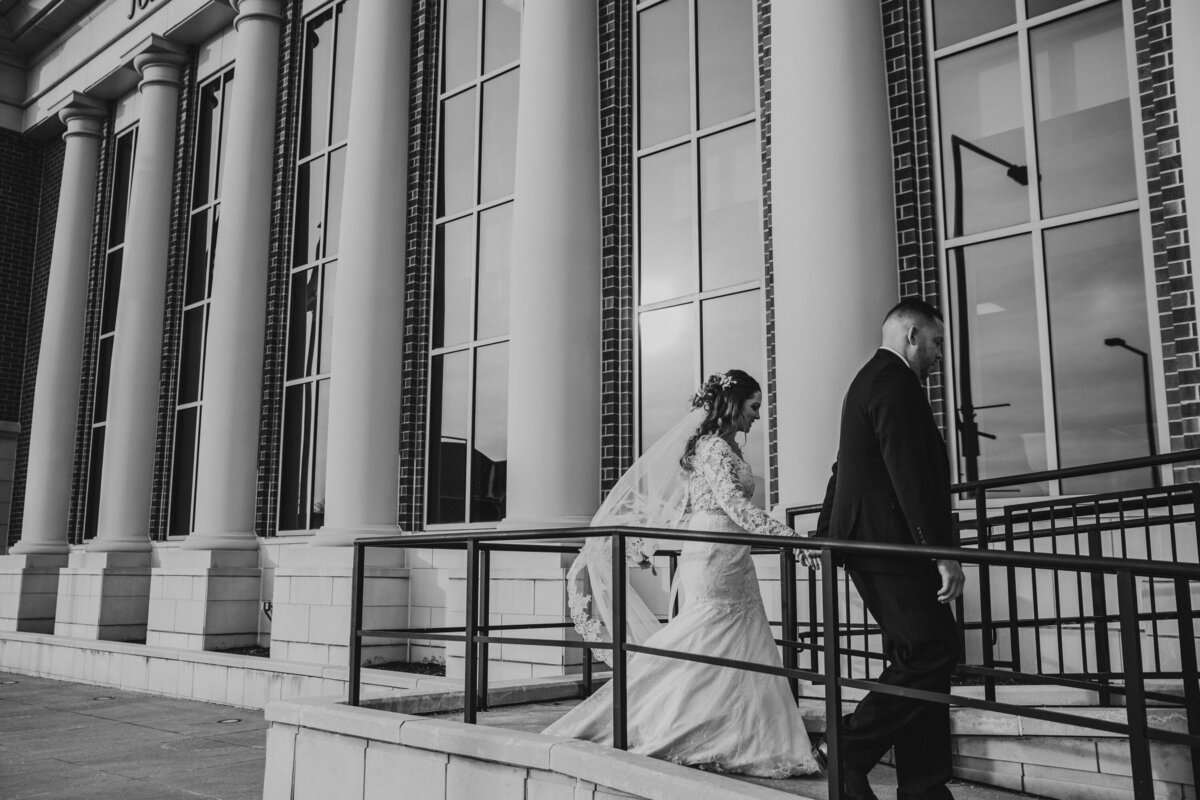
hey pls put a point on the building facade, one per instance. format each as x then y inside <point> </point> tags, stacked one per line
<point>278,274</point>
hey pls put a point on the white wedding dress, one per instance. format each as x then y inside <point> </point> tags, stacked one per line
<point>698,714</point>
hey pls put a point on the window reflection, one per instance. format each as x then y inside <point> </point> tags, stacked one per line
<point>347,21</point>
<point>664,89</point>
<point>668,255</point>
<point>1036,7</point>
<point>1081,93</point>
<point>495,256</point>
<point>498,138</point>
<point>460,48</point>
<point>310,212</point>
<point>980,100</point>
<point>448,429</point>
<point>489,453</point>
<point>958,20</point>
<point>667,344</point>
<point>502,33</point>
<point>1005,367</point>
<point>731,224</point>
<point>726,59</point>
<point>453,265</point>
<point>456,156</point>
<point>318,65</point>
<point>1096,291</point>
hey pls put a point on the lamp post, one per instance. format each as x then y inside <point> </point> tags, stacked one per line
<point>1117,341</point>
<point>968,428</point>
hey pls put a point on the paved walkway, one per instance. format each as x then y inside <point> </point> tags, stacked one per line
<point>81,742</point>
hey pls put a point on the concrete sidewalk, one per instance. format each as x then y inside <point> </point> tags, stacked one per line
<point>83,742</point>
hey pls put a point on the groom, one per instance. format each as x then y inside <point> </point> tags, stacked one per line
<point>891,484</point>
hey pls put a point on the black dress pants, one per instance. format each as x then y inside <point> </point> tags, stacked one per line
<point>921,645</point>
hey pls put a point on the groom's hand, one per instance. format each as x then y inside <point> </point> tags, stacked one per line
<point>953,580</point>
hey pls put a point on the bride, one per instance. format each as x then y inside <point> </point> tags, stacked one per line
<point>701,715</point>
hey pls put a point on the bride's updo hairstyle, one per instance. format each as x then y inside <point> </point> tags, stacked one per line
<point>721,396</point>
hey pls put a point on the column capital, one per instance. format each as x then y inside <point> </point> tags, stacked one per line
<point>157,60</point>
<point>82,114</point>
<point>263,10</point>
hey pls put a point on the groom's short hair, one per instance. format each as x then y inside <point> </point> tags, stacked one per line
<point>915,310</point>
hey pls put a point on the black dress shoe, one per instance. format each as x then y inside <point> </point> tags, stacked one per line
<point>821,755</point>
<point>856,787</point>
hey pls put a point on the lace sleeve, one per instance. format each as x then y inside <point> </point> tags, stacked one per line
<point>716,463</point>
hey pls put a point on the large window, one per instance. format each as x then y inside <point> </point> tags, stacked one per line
<point>211,120</point>
<point>468,404</point>
<point>114,254</point>
<point>1043,239</point>
<point>699,206</point>
<point>320,172</point>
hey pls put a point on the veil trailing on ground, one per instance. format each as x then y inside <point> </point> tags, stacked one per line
<point>651,494</point>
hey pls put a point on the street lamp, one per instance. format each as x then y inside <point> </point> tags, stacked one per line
<point>1117,341</point>
<point>968,428</point>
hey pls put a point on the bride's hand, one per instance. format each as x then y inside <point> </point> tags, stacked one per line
<point>811,559</point>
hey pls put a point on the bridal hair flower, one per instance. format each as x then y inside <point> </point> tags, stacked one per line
<point>716,383</point>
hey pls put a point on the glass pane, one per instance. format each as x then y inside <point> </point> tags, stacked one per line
<point>95,470</point>
<point>1081,93</point>
<point>216,233</point>
<point>1097,294</point>
<point>454,262</point>
<point>196,282</point>
<point>456,158</point>
<point>226,100</point>
<point>208,125</point>
<point>489,454</point>
<point>112,291</point>
<point>981,106</point>
<point>328,293</point>
<point>122,173</point>
<point>667,342</point>
<point>343,69</point>
<point>191,355</point>
<point>1036,7</point>
<point>501,33</point>
<point>959,20</point>
<point>183,472</point>
<point>731,223</point>
<point>103,373</point>
<point>293,472</point>
<point>1000,344</point>
<point>734,337</point>
<point>495,258</point>
<point>302,324</point>
<point>310,212</point>
<point>667,208</point>
<point>448,428</point>
<point>459,52</point>
<point>333,213</point>
<point>318,60</point>
<point>498,138</point>
<point>727,59</point>
<point>320,455</point>
<point>664,88</point>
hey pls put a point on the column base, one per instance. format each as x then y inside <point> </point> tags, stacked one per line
<point>205,600</point>
<point>104,595</point>
<point>29,591</point>
<point>311,606</point>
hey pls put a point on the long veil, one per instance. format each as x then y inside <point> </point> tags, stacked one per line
<point>651,494</point>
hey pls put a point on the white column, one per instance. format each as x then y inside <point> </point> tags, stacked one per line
<point>128,469</point>
<point>834,222</point>
<point>368,320</point>
<point>1185,27</point>
<point>228,452</point>
<point>554,352</point>
<point>56,394</point>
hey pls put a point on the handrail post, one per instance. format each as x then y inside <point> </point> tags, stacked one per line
<point>1100,609</point>
<point>356,609</point>
<point>620,721</point>
<point>788,614</point>
<point>469,654</point>
<point>833,686</point>
<point>1135,689</point>
<point>1187,663</point>
<point>986,628</point>
<point>485,575</point>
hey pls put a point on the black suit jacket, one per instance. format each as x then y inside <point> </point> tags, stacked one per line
<point>891,482</point>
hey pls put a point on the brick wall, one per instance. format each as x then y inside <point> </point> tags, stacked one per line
<point>764,133</point>
<point>1176,295</point>
<point>422,183</point>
